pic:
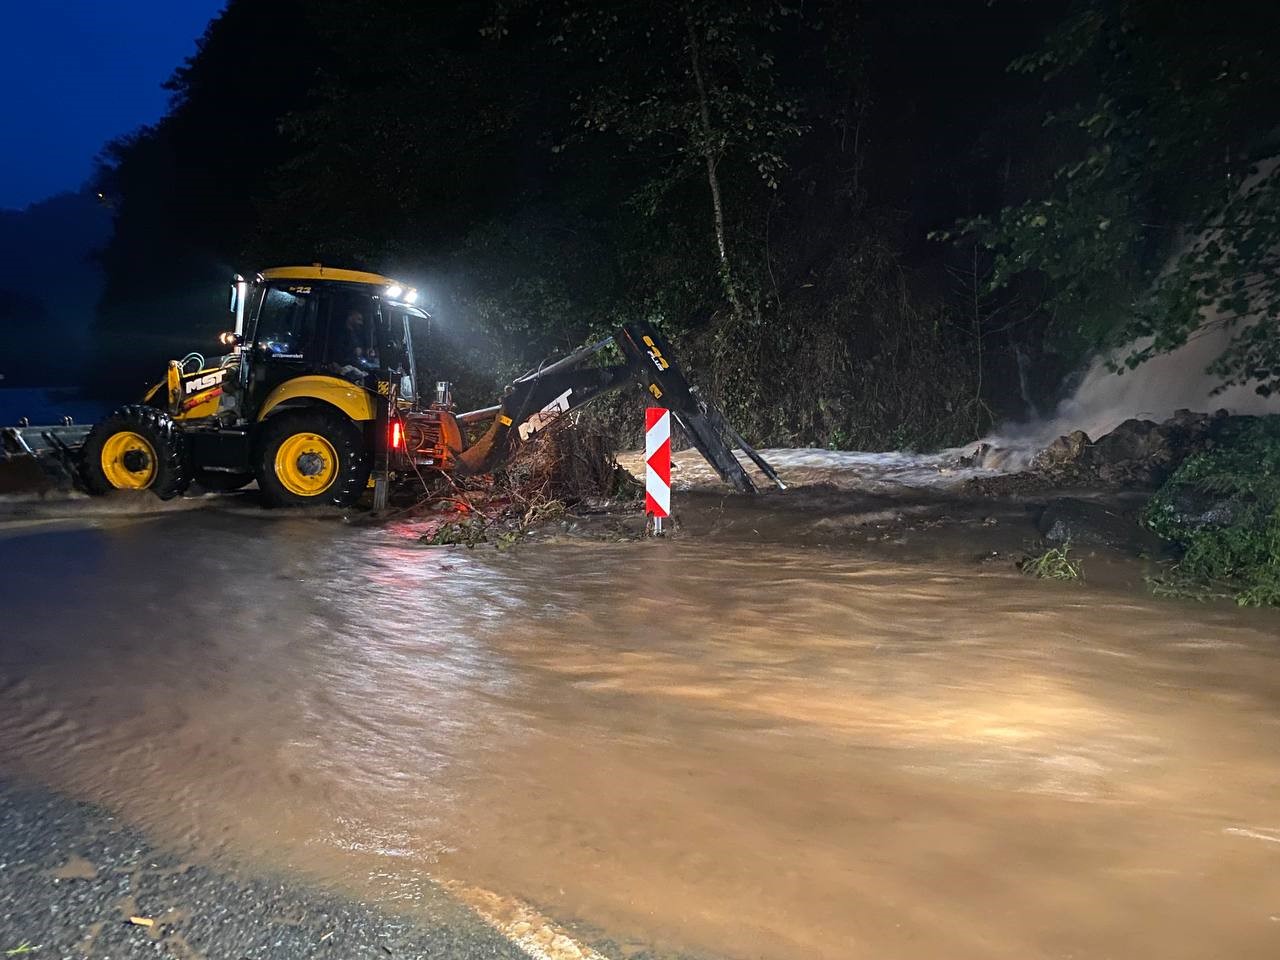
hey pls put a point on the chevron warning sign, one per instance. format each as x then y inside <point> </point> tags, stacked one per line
<point>657,462</point>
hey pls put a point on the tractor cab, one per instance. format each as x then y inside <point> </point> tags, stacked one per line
<point>319,322</point>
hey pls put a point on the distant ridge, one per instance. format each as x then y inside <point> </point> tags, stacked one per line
<point>50,283</point>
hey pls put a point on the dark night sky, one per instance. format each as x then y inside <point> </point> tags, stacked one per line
<point>75,74</point>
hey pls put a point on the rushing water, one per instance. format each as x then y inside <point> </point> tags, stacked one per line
<point>732,743</point>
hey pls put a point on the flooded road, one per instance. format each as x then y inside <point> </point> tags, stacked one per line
<point>733,744</point>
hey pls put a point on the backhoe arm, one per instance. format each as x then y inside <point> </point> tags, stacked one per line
<point>539,398</point>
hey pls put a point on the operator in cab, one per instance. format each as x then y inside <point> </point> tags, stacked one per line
<point>355,354</point>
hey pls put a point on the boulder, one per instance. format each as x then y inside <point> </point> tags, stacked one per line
<point>1132,440</point>
<point>1144,453</point>
<point>1066,451</point>
<point>1094,524</point>
<point>1137,453</point>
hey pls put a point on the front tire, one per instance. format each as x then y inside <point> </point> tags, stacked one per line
<point>311,457</point>
<point>136,448</point>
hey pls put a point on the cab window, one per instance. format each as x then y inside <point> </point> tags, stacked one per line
<point>286,323</point>
<point>355,346</point>
<point>397,320</point>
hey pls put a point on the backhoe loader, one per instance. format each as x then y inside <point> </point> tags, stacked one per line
<point>317,399</point>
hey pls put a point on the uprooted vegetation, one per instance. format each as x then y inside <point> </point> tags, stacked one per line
<point>1055,563</point>
<point>568,476</point>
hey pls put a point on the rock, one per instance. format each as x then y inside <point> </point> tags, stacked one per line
<point>1137,453</point>
<point>1091,523</point>
<point>1132,440</point>
<point>1063,452</point>
<point>977,458</point>
<point>1144,453</point>
<point>1192,509</point>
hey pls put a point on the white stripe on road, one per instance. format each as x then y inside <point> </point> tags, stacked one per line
<point>520,923</point>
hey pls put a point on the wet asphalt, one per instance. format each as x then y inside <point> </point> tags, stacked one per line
<point>71,876</point>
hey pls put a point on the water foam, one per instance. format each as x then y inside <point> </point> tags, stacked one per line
<point>1155,390</point>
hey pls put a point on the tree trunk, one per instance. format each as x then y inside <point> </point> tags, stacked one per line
<point>712,160</point>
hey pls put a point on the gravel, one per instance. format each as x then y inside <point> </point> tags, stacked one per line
<point>71,876</point>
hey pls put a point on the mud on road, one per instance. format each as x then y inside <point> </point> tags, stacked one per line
<point>812,724</point>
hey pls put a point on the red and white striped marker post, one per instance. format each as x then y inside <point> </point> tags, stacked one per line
<point>657,465</point>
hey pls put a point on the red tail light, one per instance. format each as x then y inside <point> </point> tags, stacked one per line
<point>397,435</point>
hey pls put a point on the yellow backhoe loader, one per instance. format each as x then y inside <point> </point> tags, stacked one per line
<point>317,400</point>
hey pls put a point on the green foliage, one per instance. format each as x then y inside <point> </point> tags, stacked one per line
<point>703,99</point>
<point>1221,508</point>
<point>1056,563</point>
<point>469,530</point>
<point>1163,213</point>
<point>653,99</point>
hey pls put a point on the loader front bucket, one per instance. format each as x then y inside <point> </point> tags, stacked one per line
<point>38,459</point>
<point>23,474</point>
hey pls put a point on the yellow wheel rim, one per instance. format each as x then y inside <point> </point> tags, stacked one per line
<point>306,464</point>
<point>128,461</point>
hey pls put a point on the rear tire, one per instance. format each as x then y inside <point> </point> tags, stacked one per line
<point>136,448</point>
<point>311,457</point>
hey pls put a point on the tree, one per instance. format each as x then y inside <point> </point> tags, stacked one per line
<point>1163,215</point>
<point>693,82</point>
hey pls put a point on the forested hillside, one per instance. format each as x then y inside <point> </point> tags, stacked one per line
<point>822,203</point>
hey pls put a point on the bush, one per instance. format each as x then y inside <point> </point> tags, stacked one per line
<point>1221,508</point>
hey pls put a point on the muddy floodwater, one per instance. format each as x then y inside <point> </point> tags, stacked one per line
<point>737,743</point>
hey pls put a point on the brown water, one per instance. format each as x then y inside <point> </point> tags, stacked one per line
<point>728,744</point>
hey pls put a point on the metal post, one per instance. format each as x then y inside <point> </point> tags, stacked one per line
<point>381,453</point>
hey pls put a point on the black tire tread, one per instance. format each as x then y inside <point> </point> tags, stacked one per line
<point>347,439</point>
<point>173,472</point>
